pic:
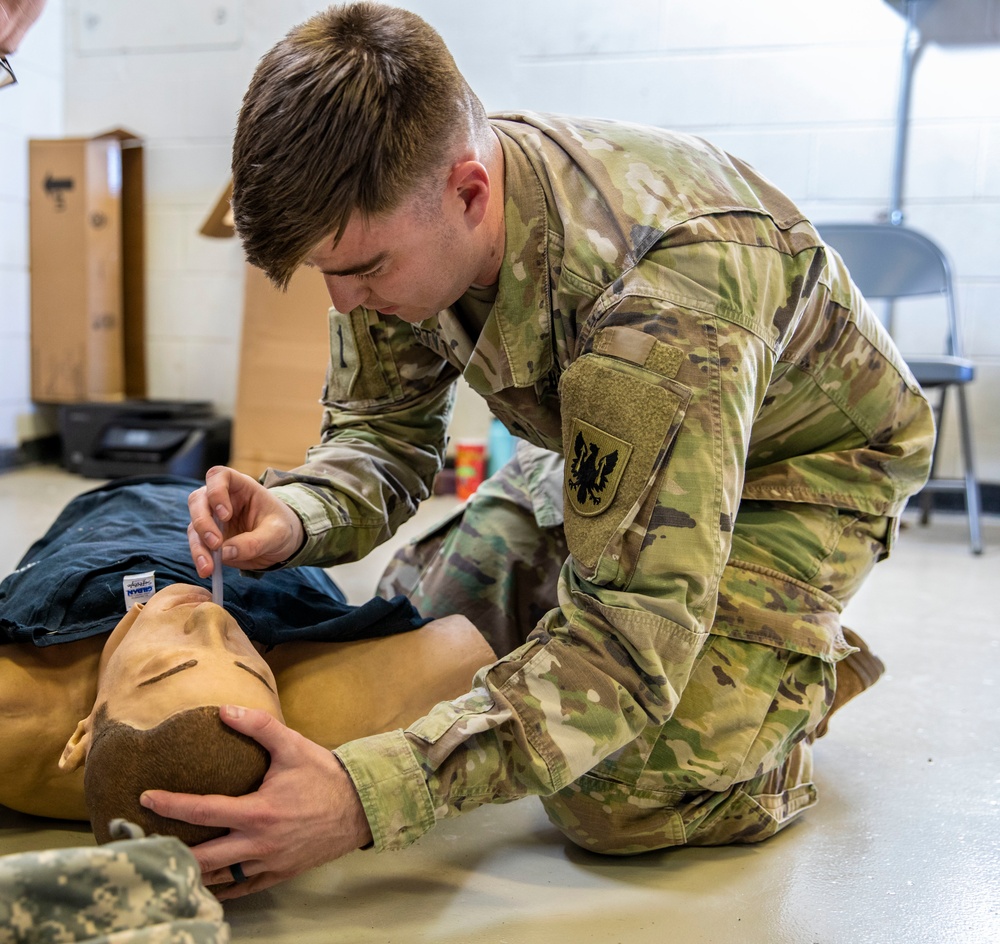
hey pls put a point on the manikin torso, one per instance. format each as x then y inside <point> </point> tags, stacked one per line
<point>330,693</point>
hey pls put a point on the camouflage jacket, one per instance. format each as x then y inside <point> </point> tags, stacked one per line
<point>675,327</point>
<point>136,891</point>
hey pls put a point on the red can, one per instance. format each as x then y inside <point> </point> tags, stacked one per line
<point>470,465</point>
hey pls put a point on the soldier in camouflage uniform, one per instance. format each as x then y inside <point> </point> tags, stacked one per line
<point>739,437</point>
<point>135,891</point>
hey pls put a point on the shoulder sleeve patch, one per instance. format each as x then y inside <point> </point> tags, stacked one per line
<point>619,422</point>
<point>595,463</point>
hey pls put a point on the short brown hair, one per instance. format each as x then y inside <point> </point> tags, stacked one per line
<point>352,110</point>
<point>192,751</point>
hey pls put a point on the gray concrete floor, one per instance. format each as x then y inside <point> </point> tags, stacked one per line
<point>903,847</point>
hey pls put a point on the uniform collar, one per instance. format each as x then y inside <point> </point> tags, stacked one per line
<point>515,346</point>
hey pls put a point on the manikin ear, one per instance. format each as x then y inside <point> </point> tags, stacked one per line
<point>125,623</point>
<point>75,751</point>
<point>117,634</point>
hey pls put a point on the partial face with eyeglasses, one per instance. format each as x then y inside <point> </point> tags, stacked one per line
<point>7,76</point>
<point>16,18</point>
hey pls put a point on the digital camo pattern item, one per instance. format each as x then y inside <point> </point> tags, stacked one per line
<point>136,891</point>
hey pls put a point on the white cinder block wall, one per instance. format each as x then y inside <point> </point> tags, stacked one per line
<point>804,90</point>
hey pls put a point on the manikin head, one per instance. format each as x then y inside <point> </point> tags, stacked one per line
<point>360,116</point>
<point>155,723</point>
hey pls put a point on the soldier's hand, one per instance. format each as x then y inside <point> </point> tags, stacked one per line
<point>305,813</point>
<point>260,529</point>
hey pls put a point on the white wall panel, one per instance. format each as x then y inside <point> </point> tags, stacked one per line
<point>804,90</point>
<point>14,319</point>
<point>979,319</point>
<point>957,82</point>
<point>109,26</point>
<point>943,159</point>
<point>852,162</point>
<point>989,162</point>
<point>195,307</point>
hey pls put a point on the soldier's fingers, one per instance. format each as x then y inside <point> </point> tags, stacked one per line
<point>281,742</point>
<point>218,491</point>
<point>253,884</point>
<point>228,874</point>
<point>203,520</point>
<point>201,556</point>
<point>200,809</point>
<point>217,877</point>
<point>217,856</point>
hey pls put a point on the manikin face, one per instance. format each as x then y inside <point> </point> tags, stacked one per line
<point>179,651</point>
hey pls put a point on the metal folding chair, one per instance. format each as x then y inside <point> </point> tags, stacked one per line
<point>892,262</point>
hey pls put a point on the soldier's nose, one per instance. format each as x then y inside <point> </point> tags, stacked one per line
<point>345,294</point>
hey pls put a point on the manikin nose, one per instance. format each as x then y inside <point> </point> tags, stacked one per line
<point>208,623</point>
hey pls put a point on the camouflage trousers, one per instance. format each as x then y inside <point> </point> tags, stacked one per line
<point>734,762</point>
<point>136,891</point>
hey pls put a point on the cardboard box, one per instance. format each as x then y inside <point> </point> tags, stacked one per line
<point>284,351</point>
<point>87,268</point>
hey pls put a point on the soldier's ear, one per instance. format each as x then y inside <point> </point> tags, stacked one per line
<point>75,751</point>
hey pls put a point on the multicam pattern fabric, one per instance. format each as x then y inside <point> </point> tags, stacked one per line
<point>137,891</point>
<point>497,561</point>
<point>661,304</point>
<point>734,762</point>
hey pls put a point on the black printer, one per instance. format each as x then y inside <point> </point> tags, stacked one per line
<point>143,437</point>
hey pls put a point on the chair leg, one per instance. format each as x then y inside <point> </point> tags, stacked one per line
<point>972,504</point>
<point>926,502</point>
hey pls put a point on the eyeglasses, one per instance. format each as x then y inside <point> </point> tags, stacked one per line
<point>7,76</point>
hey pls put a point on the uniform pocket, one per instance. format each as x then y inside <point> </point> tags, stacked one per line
<point>619,422</point>
<point>739,817</point>
<point>457,716</point>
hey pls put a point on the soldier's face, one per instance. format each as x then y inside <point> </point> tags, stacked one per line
<point>416,260</point>
<point>182,651</point>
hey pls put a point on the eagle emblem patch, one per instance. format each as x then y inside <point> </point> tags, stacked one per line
<point>594,466</point>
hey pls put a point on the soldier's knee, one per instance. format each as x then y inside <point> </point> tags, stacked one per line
<point>615,819</point>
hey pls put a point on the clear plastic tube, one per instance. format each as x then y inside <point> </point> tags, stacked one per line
<point>217,572</point>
